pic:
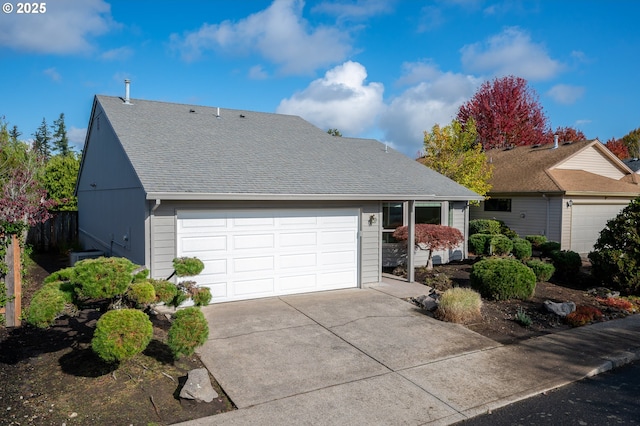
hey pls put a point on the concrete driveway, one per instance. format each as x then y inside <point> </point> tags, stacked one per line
<point>332,352</point>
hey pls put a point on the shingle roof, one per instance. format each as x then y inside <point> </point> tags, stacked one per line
<point>186,149</point>
<point>530,169</point>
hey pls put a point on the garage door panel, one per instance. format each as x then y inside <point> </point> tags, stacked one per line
<point>254,287</point>
<point>253,264</point>
<point>587,220</point>
<point>304,260</point>
<point>298,239</point>
<point>253,242</point>
<point>260,253</point>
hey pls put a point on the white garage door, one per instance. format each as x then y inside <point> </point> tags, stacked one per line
<point>587,220</point>
<point>260,253</point>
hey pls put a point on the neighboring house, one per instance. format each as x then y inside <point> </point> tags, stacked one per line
<point>633,164</point>
<point>566,191</point>
<point>270,203</point>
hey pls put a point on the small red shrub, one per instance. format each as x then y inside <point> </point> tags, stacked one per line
<point>616,303</point>
<point>583,315</point>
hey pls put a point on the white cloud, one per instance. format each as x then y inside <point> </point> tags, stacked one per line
<point>65,28</point>
<point>76,137</point>
<point>565,94</point>
<point>361,9</point>
<point>511,53</point>
<point>258,73</point>
<point>117,54</point>
<point>279,34</point>
<point>434,100</point>
<point>341,99</point>
<point>53,74</point>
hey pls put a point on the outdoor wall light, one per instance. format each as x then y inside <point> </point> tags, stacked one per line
<point>569,203</point>
<point>372,219</point>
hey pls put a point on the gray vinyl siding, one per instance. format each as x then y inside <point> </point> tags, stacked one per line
<point>111,202</point>
<point>528,216</point>
<point>163,232</point>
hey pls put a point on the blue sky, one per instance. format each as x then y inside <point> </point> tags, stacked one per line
<point>380,68</point>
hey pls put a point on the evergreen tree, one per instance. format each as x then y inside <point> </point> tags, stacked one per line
<point>42,139</point>
<point>14,134</point>
<point>60,139</point>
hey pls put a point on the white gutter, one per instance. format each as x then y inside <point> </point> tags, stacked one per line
<point>201,196</point>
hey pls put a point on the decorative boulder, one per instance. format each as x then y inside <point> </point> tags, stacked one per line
<point>428,303</point>
<point>560,309</point>
<point>198,386</point>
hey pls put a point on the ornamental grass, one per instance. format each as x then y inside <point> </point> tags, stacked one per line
<point>459,305</point>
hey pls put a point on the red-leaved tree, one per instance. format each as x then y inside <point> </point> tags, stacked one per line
<point>431,237</point>
<point>507,113</point>
<point>569,134</point>
<point>618,147</point>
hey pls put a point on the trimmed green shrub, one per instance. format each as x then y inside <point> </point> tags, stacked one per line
<point>506,231</point>
<point>65,274</point>
<point>103,277</point>
<point>616,253</point>
<point>201,296</point>
<point>484,226</point>
<point>500,245</point>
<point>49,303</point>
<point>188,331</point>
<point>521,249</point>
<point>536,240</point>
<point>479,244</point>
<point>548,247</point>
<point>165,290</point>
<point>121,334</point>
<point>566,262</point>
<point>142,293</point>
<point>187,266</point>
<point>543,270</point>
<point>503,279</point>
<point>459,305</point>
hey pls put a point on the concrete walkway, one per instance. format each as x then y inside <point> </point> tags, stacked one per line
<point>365,356</point>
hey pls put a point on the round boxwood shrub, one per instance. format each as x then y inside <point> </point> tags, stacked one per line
<point>121,334</point>
<point>201,296</point>
<point>103,277</point>
<point>536,240</point>
<point>188,331</point>
<point>566,262</point>
<point>543,270</point>
<point>548,247</point>
<point>503,279</point>
<point>165,290</point>
<point>49,303</point>
<point>142,293</point>
<point>521,249</point>
<point>479,244</point>
<point>484,226</point>
<point>187,266</point>
<point>500,245</point>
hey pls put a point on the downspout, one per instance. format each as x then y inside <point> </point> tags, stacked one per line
<point>411,242</point>
<point>154,207</point>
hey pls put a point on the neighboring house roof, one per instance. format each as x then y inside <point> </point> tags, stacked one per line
<point>633,164</point>
<point>187,152</point>
<point>540,169</point>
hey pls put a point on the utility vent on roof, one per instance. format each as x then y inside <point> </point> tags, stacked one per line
<point>567,143</point>
<point>192,110</point>
<point>242,116</point>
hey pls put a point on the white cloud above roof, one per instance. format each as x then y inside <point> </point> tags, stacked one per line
<point>512,52</point>
<point>565,94</point>
<point>66,27</point>
<point>341,99</point>
<point>278,33</point>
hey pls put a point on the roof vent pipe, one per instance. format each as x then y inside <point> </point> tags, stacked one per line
<point>218,112</point>
<point>555,141</point>
<point>127,84</point>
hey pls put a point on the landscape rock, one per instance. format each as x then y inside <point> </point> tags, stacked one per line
<point>198,386</point>
<point>427,302</point>
<point>562,309</point>
<point>603,292</point>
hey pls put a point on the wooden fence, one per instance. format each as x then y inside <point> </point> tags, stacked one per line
<point>59,233</point>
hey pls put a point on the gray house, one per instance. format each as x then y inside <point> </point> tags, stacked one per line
<point>270,203</point>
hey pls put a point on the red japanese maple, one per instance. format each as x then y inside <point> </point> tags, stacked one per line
<point>431,237</point>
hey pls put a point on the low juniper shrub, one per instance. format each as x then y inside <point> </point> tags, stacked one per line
<point>165,290</point>
<point>201,296</point>
<point>500,245</point>
<point>121,334</point>
<point>521,249</point>
<point>479,244</point>
<point>484,226</point>
<point>187,266</point>
<point>188,331</point>
<point>142,293</point>
<point>503,279</point>
<point>536,240</point>
<point>543,270</point>
<point>49,303</point>
<point>103,277</point>
<point>566,262</point>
